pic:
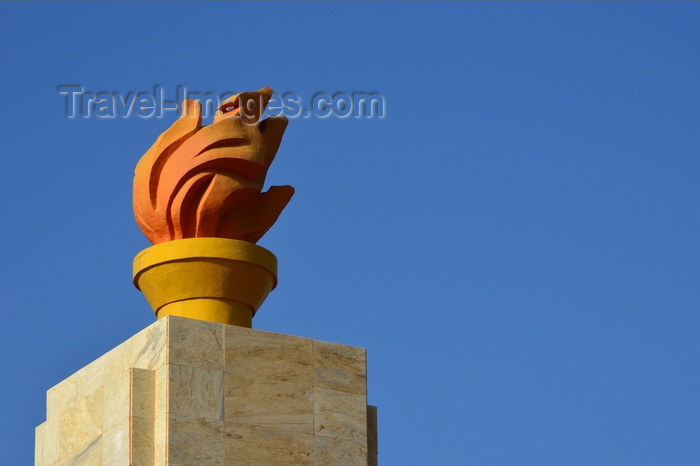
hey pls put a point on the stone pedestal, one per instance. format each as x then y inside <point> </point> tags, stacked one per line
<point>188,392</point>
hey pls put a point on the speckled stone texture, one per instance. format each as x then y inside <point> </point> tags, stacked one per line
<point>187,392</point>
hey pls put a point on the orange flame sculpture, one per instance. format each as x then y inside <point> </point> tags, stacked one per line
<point>199,181</point>
<point>198,198</point>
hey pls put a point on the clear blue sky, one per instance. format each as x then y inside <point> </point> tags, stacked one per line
<point>515,243</point>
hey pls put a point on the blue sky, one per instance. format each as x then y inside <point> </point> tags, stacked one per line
<point>515,243</point>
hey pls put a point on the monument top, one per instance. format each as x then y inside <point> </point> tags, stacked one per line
<point>198,198</point>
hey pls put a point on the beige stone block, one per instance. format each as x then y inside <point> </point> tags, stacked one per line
<point>195,442</point>
<point>160,446</point>
<point>195,343</point>
<point>195,393</point>
<point>335,452</point>
<point>81,422</point>
<point>186,392</point>
<point>142,441</point>
<point>115,445</point>
<point>46,444</point>
<point>102,371</point>
<point>142,395</point>
<point>61,396</point>
<point>270,403</point>
<point>146,350</point>
<point>160,395</point>
<point>116,400</point>
<point>142,416</point>
<point>89,454</point>
<point>255,445</point>
<point>372,437</point>
<point>266,355</point>
<point>85,381</point>
<point>340,415</point>
<point>340,367</point>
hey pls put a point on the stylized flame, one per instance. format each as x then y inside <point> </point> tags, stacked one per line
<point>206,181</point>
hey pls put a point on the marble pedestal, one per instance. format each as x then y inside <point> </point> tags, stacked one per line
<point>187,392</point>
